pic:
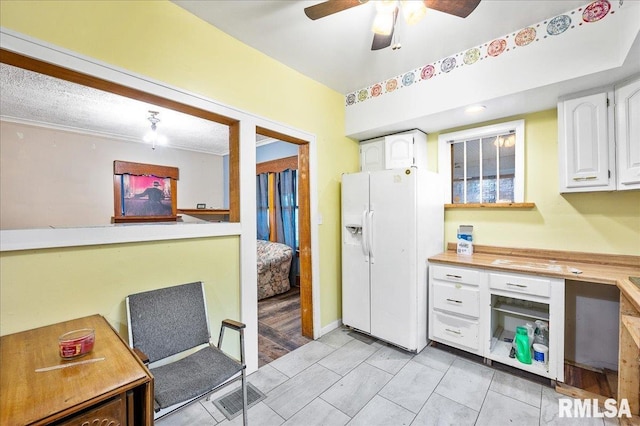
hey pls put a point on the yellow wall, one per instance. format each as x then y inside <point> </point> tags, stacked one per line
<point>160,40</point>
<point>46,286</point>
<point>598,222</point>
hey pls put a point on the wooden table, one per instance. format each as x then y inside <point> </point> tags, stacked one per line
<point>117,390</point>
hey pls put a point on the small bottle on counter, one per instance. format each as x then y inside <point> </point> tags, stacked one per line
<point>465,239</point>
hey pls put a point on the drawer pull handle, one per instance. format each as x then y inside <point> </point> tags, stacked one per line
<point>454,301</point>
<point>453,331</point>
<point>517,285</point>
<point>585,178</point>
<point>457,277</point>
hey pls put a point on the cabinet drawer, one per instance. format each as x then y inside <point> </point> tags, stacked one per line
<point>111,412</point>
<point>458,331</point>
<point>456,298</point>
<point>520,284</point>
<point>457,275</point>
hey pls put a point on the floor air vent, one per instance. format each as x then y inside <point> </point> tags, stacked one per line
<point>231,403</point>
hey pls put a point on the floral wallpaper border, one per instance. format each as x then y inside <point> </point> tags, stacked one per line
<point>545,30</point>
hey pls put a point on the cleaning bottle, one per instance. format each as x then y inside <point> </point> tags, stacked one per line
<point>542,333</point>
<point>523,350</point>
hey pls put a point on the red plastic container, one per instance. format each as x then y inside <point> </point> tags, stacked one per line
<point>76,343</point>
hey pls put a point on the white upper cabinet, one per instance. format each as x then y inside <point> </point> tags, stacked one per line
<point>599,139</point>
<point>586,153</point>
<point>398,151</point>
<point>627,97</point>
<point>395,151</point>
<point>372,155</point>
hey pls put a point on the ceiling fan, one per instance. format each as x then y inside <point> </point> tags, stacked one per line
<point>387,13</point>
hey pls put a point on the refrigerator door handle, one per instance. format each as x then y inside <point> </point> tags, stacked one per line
<point>370,235</point>
<point>365,236</point>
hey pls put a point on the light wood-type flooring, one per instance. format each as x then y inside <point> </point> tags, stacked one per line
<point>279,330</point>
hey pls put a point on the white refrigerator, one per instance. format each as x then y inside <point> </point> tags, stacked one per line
<point>392,221</point>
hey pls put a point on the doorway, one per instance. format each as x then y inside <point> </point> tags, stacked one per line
<point>285,320</point>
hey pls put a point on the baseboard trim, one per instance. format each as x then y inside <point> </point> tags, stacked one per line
<point>329,328</point>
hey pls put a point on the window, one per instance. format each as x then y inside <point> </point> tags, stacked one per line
<point>277,201</point>
<point>484,165</point>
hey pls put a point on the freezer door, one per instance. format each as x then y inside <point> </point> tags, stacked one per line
<point>393,256</point>
<point>356,307</point>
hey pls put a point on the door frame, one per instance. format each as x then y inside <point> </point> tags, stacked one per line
<point>304,228</point>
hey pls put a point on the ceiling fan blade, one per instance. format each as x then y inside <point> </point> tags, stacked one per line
<point>330,7</point>
<point>381,41</point>
<point>461,8</point>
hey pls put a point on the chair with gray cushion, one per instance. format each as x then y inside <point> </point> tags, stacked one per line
<point>167,325</point>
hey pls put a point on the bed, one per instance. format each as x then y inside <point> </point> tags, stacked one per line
<point>274,262</point>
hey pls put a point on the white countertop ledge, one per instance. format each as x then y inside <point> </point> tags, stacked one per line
<point>43,238</point>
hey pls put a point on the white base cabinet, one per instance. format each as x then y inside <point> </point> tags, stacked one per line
<point>477,311</point>
<point>515,300</point>
<point>454,307</point>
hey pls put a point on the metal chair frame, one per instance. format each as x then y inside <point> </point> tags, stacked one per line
<point>227,323</point>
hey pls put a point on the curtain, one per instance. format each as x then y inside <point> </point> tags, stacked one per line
<point>262,203</point>
<point>286,214</point>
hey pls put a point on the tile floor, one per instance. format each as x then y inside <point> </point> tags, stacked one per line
<point>345,378</point>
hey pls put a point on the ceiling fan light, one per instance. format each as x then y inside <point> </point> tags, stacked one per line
<point>382,23</point>
<point>385,6</point>
<point>413,11</point>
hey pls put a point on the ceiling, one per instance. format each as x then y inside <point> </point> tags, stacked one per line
<point>336,50</point>
<point>32,98</point>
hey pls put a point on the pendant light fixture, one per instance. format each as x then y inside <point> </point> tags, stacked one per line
<point>152,135</point>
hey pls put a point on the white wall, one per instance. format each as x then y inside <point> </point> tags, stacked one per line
<point>56,178</point>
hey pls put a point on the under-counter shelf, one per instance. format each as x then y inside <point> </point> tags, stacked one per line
<point>523,311</point>
<point>500,347</point>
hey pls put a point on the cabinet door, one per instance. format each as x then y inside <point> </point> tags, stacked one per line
<point>112,412</point>
<point>356,309</point>
<point>393,250</point>
<point>584,144</point>
<point>372,155</point>
<point>628,135</point>
<point>398,151</point>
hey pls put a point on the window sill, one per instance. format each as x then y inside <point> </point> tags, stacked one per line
<point>491,206</point>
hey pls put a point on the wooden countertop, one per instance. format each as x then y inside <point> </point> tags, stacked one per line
<point>593,267</point>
